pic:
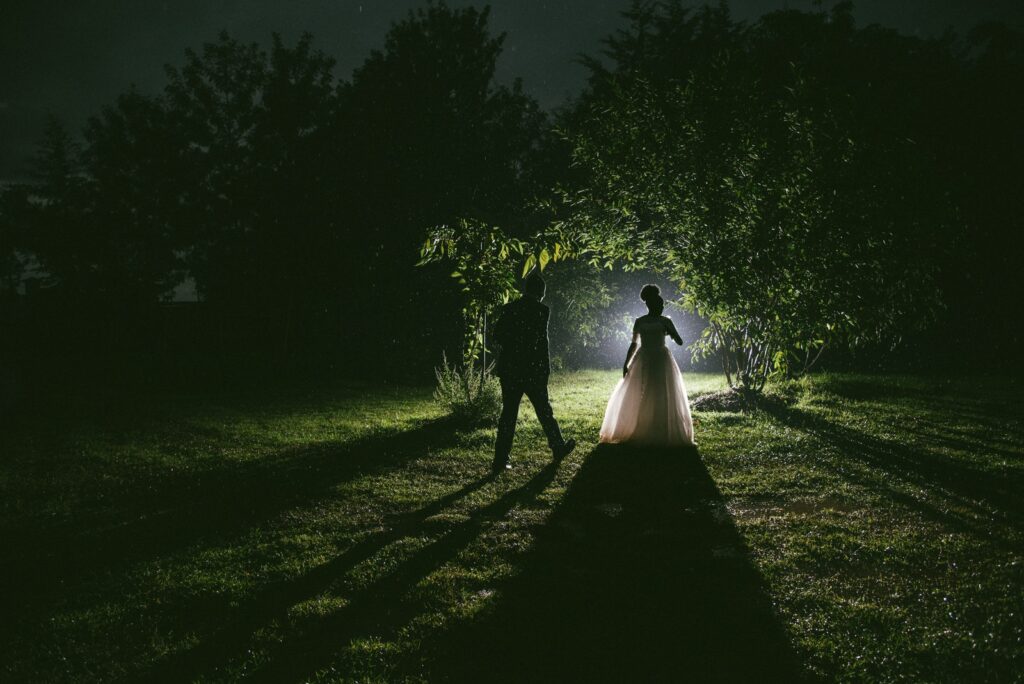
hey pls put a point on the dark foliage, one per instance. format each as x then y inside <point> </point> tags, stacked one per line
<point>800,179</point>
<point>298,202</point>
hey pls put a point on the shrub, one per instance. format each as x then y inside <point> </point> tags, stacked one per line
<point>466,393</point>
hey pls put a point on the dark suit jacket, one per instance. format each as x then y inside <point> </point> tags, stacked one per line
<point>522,335</point>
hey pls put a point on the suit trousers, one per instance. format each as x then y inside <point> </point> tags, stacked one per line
<point>512,392</point>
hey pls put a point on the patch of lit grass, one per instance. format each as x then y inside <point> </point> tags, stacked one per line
<point>185,538</point>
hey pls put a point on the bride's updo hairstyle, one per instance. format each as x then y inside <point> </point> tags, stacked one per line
<point>651,296</point>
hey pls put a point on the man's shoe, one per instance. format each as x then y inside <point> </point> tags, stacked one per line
<point>500,466</point>
<point>566,449</point>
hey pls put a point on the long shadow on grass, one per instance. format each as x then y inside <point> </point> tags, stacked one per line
<point>385,606</point>
<point>47,563</point>
<point>236,627</point>
<point>984,492</point>
<point>995,405</point>
<point>639,575</point>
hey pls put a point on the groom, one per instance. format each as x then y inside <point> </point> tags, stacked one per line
<point>523,368</point>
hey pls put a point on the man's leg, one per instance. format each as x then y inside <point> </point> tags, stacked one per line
<point>511,395</point>
<point>538,394</point>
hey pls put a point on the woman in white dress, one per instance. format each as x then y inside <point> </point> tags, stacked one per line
<point>649,406</point>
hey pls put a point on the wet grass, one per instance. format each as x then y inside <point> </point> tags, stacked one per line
<point>865,528</point>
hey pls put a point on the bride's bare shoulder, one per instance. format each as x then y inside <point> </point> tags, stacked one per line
<point>670,327</point>
<point>640,321</point>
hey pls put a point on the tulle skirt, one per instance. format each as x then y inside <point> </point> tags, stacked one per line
<point>649,406</point>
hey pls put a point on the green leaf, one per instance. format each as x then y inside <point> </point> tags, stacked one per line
<point>531,261</point>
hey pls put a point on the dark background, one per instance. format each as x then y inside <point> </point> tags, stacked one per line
<point>66,62</point>
<point>70,58</point>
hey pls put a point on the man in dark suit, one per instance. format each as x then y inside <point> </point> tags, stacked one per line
<point>523,368</point>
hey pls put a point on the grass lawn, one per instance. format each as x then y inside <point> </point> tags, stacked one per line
<point>870,529</point>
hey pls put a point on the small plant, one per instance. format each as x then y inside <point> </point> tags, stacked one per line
<point>467,394</point>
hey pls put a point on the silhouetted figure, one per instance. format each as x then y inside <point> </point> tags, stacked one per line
<point>523,367</point>
<point>649,406</point>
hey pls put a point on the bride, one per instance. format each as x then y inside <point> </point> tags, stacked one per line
<point>649,406</point>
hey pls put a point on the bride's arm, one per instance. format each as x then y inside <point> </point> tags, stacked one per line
<point>630,352</point>
<point>671,329</point>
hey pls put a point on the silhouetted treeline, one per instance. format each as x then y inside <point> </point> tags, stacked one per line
<point>935,138</point>
<point>296,200</point>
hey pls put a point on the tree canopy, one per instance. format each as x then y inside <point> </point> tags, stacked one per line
<point>749,164</point>
<point>805,183</point>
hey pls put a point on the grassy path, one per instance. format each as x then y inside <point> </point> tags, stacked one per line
<point>869,529</point>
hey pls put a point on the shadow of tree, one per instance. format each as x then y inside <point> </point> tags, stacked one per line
<point>639,575</point>
<point>48,562</point>
<point>990,405</point>
<point>986,492</point>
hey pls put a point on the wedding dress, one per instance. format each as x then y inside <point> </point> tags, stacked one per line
<point>649,406</point>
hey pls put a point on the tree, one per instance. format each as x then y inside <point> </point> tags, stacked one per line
<point>486,260</point>
<point>250,125</point>
<point>96,217</point>
<point>788,222</point>
<point>584,317</point>
<point>439,144</point>
<point>133,169</point>
<point>12,238</point>
<point>438,130</point>
<point>54,218</point>
<point>254,129</point>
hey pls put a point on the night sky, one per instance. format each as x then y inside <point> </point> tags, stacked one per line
<point>70,58</point>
